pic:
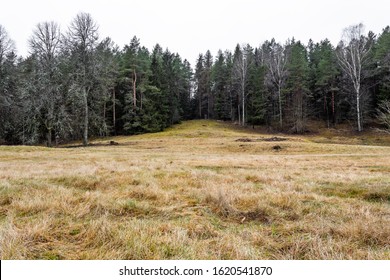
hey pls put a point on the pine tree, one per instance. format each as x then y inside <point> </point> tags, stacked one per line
<point>257,93</point>
<point>208,94</point>
<point>186,78</point>
<point>382,59</point>
<point>135,70</point>
<point>220,88</point>
<point>200,86</point>
<point>323,81</point>
<point>297,87</point>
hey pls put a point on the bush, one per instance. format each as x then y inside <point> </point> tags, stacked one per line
<point>384,113</point>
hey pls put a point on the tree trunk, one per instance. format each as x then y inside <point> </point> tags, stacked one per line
<point>104,111</point>
<point>326,110</point>
<point>141,95</point>
<point>113,111</point>
<point>360,128</point>
<point>200,104</point>
<point>23,137</point>
<point>243,107</point>
<point>239,113</point>
<point>280,107</point>
<point>208,104</point>
<point>49,120</point>
<point>134,90</point>
<point>48,136</point>
<point>231,105</point>
<point>85,134</point>
<point>333,110</point>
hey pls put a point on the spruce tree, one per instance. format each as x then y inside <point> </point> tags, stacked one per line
<point>297,88</point>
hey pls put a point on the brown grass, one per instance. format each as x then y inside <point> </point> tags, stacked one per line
<point>194,192</point>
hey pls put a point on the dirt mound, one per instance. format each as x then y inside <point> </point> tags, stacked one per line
<point>270,139</point>
<point>245,140</point>
<point>274,139</point>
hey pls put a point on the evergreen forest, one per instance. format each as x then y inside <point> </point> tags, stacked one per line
<point>74,85</point>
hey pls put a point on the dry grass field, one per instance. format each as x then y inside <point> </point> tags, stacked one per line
<point>200,190</point>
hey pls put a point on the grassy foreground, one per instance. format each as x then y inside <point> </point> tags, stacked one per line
<point>200,190</point>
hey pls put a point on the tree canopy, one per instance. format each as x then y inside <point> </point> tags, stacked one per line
<point>74,85</point>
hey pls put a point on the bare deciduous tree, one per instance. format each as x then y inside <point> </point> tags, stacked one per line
<point>82,41</point>
<point>45,46</point>
<point>275,57</point>
<point>384,113</point>
<point>45,42</point>
<point>352,54</point>
<point>240,71</point>
<point>7,49</point>
<point>6,44</point>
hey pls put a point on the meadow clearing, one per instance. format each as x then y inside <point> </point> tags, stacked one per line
<point>199,190</point>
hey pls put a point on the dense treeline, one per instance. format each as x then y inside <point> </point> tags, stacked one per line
<point>283,86</point>
<point>74,85</point>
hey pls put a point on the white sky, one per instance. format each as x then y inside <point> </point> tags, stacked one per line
<point>190,27</point>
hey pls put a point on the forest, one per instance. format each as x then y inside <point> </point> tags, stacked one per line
<point>74,85</point>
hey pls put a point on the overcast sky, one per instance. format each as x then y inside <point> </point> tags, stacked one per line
<point>190,27</point>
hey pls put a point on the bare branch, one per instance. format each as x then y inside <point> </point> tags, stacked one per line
<point>6,44</point>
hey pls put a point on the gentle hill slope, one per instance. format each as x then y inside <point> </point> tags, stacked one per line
<point>199,190</point>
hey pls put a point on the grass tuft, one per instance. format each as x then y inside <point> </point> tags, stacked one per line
<point>195,192</point>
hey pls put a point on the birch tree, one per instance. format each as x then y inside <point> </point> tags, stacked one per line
<point>352,54</point>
